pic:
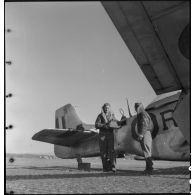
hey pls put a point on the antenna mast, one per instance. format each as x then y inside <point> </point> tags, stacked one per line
<point>130,115</point>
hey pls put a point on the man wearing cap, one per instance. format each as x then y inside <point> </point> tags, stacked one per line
<point>144,127</point>
<point>106,136</point>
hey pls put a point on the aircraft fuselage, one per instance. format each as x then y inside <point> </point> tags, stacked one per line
<point>168,141</point>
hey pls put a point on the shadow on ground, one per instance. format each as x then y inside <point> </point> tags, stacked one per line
<point>75,173</point>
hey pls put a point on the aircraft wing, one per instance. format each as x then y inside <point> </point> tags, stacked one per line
<point>64,137</point>
<point>158,35</point>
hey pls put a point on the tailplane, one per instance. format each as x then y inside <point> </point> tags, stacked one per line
<point>66,117</point>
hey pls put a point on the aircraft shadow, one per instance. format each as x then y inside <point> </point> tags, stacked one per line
<point>75,173</point>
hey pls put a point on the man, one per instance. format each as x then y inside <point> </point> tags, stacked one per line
<point>106,123</point>
<point>144,127</point>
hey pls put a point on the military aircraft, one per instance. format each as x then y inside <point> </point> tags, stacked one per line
<point>158,35</point>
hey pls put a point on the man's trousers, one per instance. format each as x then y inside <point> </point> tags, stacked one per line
<point>146,144</point>
<point>106,143</point>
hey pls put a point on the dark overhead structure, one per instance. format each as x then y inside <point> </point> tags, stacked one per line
<point>158,35</point>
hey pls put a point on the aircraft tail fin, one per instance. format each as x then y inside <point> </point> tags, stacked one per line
<point>66,117</point>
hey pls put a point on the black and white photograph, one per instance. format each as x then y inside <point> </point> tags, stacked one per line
<point>97,97</point>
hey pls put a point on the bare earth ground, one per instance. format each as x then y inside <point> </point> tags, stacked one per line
<point>58,176</point>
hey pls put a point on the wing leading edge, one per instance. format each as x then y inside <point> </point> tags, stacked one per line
<point>63,137</point>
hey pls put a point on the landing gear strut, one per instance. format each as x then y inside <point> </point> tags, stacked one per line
<point>79,160</point>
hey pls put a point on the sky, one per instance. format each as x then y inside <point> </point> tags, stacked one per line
<point>64,52</point>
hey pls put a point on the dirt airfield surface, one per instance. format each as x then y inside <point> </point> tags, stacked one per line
<point>61,176</point>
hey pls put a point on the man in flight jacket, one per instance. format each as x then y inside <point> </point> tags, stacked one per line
<point>144,127</point>
<point>106,137</point>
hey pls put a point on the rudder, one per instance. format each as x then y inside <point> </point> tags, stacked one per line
<point>66,117</point>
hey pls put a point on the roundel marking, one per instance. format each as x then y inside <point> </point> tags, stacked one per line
<point>184,42</point>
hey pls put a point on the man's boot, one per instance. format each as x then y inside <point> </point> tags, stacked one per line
<point>113,169</point>
<point>149,165</point>
<point>104,163</point>
<point>111,166</point>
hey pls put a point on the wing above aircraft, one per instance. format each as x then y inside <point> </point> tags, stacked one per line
<point>158,35</point>
<point>64,137</point>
